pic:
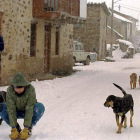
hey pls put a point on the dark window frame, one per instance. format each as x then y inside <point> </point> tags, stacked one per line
<point>57,40</point>
<point>33,40</point>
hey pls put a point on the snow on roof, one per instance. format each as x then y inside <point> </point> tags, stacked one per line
<point>131,47</point>
<point>125,42</point>
<point>115,31</point>
<point>122,18</point>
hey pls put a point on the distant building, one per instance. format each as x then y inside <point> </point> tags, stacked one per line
<point>93,33</point>
<point>133,28</point>
<point>124,24</point>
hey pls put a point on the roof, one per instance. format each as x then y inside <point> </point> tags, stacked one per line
<point>122,18</point>
<point>124,42</point>
<point>102,4</point>
<point>116,32</point>
<point>126,16</point>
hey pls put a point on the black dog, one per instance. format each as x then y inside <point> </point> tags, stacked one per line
<point>120,107</point>
<point>2,99</point>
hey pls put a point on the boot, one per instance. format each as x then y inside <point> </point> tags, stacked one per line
<point>1,121</point>
<point>18,128</point>
<point>30,130</point>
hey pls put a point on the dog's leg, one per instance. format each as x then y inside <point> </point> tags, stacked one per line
<point>1,121</point>
<point>131,115</point>
<point>135,84</point>
<point>131,84</point>
<point>125,122</point>
<point>120,125</point>
<point>117,119</point>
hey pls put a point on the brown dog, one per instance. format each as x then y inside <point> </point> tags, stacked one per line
<point>133,80</point>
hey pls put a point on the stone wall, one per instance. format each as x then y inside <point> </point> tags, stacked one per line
<point>16,31</point>
<point>1,13</point>
<point>80,34</point>
<point>93,33</point>
<point>89,33</point>
<point>103,35</point>
<point>62,64</point>
<point>120,27</point>
<point>115,36</point>
<point>93,28</point>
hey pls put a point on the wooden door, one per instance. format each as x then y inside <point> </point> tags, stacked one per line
<point>47,48</point>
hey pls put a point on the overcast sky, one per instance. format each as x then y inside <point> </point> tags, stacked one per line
<point>129,7</point>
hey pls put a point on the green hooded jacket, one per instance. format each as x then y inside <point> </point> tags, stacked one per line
<point>25,102</point>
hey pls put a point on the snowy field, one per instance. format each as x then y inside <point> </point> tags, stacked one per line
<point>74,104</point>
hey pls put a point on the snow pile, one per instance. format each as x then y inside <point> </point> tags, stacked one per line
<point>114,46</point>
<point>125,42</point>
<point>117,54</point>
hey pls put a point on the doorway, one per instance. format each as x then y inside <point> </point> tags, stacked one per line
<point>47,48</point>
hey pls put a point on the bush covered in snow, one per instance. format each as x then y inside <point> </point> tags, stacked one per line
<point>136,42</point>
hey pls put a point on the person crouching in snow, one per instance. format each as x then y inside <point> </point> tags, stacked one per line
<point>21,103</point>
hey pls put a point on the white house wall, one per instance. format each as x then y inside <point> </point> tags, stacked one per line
<point>83,8</point>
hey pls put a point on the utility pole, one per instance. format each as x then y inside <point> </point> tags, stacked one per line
<point>111,29</point>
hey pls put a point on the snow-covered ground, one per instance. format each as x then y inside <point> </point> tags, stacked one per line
<point>74,104</point>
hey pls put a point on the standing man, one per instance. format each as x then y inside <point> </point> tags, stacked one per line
<point>21,103</point>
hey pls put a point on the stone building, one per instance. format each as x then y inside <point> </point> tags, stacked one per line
<point>38,37</point>
<point>93,33</point>
<point>123,24</point>
<point>134,21</point>
<point>116,36</point>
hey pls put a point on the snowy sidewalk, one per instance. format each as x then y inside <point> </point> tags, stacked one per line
<point>74,104</point>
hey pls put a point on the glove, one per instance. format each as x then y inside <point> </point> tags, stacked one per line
<point>1,107</point>
<point>24,134</point>
<point>14,134</point>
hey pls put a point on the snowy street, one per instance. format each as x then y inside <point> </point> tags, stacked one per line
<point>74,104</point>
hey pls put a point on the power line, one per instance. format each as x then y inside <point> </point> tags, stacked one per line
<point>130,9</point>
<point>129,6</point>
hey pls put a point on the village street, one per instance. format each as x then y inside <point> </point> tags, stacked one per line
<point>74,104</point>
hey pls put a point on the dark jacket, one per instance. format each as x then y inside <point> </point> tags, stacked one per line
<point>1,44</point>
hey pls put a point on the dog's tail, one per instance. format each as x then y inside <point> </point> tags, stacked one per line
<point>120,88</point>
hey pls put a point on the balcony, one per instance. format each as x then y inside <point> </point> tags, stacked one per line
<point>56,9</point>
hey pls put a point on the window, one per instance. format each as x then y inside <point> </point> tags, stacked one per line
<point>33,40</point>
<point>80,47</point>
<point>76,47</point>
<point>50,5</point>
<point>57,41</point>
